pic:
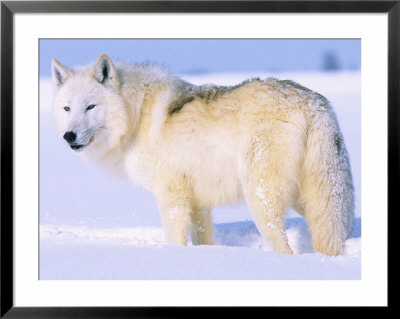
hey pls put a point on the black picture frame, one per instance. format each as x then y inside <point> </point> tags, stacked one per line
<point>9,8</point>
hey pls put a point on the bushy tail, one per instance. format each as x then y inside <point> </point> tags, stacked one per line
<point>327,193</point>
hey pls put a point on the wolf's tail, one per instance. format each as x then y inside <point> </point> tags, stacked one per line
<point>327,193</point>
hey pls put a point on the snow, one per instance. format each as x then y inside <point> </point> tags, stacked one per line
<point>94,226</point>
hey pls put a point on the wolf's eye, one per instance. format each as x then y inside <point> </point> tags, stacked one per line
<point>91,106</point>
<point>67,108</point>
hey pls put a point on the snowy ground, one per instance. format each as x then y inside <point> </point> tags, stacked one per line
<point>93,226</point>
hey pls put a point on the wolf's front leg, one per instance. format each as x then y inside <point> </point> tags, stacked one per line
<point>176,205</point>
<point>202,228</point>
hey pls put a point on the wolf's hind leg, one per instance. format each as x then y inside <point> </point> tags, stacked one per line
<point>270,184</point>
<point>267,207</point>
<point>202,228</point>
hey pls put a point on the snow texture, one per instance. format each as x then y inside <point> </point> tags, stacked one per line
<point>94,226</point>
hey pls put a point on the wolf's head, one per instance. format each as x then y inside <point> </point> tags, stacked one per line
<point>90,113</point>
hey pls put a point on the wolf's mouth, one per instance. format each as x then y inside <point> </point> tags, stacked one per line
<point>76,147</point>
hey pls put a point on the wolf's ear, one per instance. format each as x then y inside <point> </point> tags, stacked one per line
<point>104,71</point>
<point>59,72</point>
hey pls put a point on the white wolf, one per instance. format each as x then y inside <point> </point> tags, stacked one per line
<point>275,143</point>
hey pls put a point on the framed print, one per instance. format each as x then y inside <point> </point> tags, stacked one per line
<point>158,156</point>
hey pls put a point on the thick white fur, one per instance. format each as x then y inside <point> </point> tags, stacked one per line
<point>274,143</point>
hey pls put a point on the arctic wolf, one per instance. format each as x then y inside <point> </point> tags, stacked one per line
<point>274,143</point>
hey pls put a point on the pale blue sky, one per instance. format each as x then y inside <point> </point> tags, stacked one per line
<point>207,55</point>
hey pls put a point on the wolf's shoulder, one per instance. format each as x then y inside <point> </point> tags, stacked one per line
<point>186,92</point>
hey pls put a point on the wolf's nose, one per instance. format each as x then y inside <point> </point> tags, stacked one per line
<point>70,137</point>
